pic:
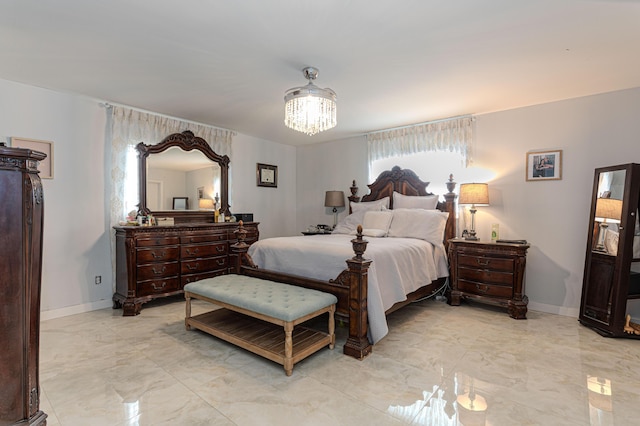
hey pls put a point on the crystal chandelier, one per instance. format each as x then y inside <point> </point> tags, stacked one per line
<point>310,109</point>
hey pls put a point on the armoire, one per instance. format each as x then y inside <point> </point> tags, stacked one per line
<point>21,223</point>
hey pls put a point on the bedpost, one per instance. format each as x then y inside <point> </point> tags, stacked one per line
<point>358,345</point>
<point>450,206</point>
<point>239,250</point>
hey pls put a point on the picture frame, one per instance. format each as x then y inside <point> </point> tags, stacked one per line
<point>180,203</point>
<point>544,165</point>
<point>200,191</point>
<point>267,175</point>
<point>45,166</point>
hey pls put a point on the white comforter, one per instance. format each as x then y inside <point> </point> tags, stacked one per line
<point>400,266</point>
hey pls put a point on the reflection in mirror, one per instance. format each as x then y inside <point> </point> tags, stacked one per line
<point>609,211</point>
<point>175,173</point>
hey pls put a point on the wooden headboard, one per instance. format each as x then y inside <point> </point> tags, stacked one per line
<point>406,182</point>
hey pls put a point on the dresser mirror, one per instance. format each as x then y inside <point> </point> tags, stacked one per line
<point>182,166</point>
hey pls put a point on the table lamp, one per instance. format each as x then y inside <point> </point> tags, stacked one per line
<point>476,194</point>
<point>334,199</point>
<point>606,209</point>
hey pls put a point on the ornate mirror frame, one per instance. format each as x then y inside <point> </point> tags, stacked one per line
<point>186,141</point>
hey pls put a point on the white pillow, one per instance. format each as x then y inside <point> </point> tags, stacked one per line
<point>381,204</point>
<point>428,225</point>
<point>381,220</point>
<point>374,233</point>
<point>349,224</point>
<point>427,202</point>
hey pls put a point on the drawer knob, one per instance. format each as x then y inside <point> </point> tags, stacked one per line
<point>220,249</point>
<point>161,271</point>
<point>192,267</point>
<point>189,252</point>
<point>482,288</point>
<point>158,255</point>
<point>155,287</point>
<point>220,262</point>
<point>483,262</point>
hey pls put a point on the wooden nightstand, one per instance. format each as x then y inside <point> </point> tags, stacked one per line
<point>490,273</point>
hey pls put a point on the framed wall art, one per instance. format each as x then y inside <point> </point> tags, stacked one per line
<point>45,166</point>
<point>267,175</point>
<point>544,165</point>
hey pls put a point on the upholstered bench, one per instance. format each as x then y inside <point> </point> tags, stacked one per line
<point>254,313</point>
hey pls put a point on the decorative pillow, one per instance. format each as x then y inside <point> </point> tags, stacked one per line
<point>374,220</point>
<point>349,224</point>
<point>381,204</point>
<point>427,202</point>
<point>428,225</point>
<point>374,233</point>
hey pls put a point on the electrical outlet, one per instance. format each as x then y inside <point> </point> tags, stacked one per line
<point>98,279</point>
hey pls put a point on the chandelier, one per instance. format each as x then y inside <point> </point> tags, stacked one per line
<point>310,109</point>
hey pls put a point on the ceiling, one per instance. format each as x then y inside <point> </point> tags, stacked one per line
<point>392,63</point>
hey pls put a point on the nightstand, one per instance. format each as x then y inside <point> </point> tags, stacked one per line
<point>490,273</point>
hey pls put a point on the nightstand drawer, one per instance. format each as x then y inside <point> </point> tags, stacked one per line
<point>490,277</point>
<point>485,289</point>
<point>485,262</point>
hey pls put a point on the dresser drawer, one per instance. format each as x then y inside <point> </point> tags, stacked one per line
<point>166,285</point>
<point>158,270</point>
<point>191,278</point>
<point>481,289</point>
<point>204,238</point>
<point>204,265</point>
<point>157,254</point>
<point>157,241</point>
<point>203,250</point>
<point>485,262</point>
<point>481,275</point>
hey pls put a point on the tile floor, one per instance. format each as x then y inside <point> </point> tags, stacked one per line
<point>439,365</point>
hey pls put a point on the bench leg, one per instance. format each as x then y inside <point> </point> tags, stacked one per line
<point>288,348</point>
<point>187,315</point>
<point>332,326</point>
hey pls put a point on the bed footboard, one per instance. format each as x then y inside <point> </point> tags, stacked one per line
<point>350,287</point>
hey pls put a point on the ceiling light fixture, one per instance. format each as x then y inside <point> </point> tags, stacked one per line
<point>310,109</point>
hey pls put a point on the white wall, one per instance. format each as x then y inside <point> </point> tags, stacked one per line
<point>76,243</point>
<point>592,131</point>
<point>76,220</point>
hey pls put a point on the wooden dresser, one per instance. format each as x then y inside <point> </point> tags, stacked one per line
<point>490,273</point>
<point>21,223</point>
<point>157,261</point>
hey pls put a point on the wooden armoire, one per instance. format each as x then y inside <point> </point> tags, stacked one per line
<point>21,220</point>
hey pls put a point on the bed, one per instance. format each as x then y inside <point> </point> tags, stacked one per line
<point>381,277</point>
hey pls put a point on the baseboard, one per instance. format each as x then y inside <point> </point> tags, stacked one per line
<point>553,309</point>
<point>76,309</point>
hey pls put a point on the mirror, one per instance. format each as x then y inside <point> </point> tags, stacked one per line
<point>608,211</point>
<point>179,175</point>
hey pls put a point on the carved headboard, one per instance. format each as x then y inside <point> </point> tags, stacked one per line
<point>406,182</point>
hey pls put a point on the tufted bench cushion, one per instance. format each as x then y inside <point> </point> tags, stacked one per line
<point>263,316</point>
<point>283,301</point>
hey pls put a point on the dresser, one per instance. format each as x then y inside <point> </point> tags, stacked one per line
<point>157,261</point>
<point>21,224</point>
<point>490,273</point>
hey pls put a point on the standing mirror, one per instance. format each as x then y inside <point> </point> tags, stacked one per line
<point>183,178</point>
<point>609,279</point>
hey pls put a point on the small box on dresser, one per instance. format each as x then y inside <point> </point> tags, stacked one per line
<point>490,273</point>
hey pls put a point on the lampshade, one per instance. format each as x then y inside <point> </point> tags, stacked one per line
<point>474,193</point>
<point>609,209</point>
<point>310,109</point>
<point>205,204</point>
<point>334,199</point>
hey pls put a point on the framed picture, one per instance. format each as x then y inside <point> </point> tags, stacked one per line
<point>200,192</point>
<point>267,175</point>
<point>45,166</point>
<point>544,165</point>
<point>180,203</point>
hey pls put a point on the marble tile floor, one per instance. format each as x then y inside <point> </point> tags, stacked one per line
<point>439,366</point>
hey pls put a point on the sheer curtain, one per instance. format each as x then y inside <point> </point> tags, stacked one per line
<point>125,129</point>
<point>452,135</point>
